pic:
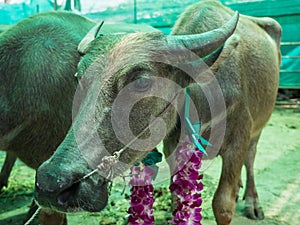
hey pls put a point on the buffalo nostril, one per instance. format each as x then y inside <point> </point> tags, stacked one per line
<point>65,195</point>
<point>40,188</point>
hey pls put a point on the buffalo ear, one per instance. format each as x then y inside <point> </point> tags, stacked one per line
<point>89,37</point>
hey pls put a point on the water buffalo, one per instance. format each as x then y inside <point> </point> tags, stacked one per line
<point>127,81</point>
<point>38,58</point>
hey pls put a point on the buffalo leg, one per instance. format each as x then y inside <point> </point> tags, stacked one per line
<point>253,210</point>
<point>9,162</point>
<point>240,185</point>
<point>33,208</point>
<point>232,162</point>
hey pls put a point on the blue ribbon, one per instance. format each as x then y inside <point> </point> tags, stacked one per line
<point>193,130</point>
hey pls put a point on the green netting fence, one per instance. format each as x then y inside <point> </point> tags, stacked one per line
<point>163,13</point>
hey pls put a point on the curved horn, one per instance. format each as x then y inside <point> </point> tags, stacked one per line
<point>207,42</point>
<point>89,37</point>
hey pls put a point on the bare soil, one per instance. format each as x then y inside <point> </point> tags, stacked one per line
<point>277,171</point>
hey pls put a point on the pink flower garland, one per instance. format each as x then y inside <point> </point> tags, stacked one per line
<point>141,201</point>
<point>187,185</point>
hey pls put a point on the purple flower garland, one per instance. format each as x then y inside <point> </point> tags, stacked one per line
<point>142,199</point>
<point>187,185</point>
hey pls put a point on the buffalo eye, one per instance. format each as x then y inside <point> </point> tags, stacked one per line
<point>142,83</point>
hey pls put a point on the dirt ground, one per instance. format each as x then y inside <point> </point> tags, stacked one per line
<point>277,171</point>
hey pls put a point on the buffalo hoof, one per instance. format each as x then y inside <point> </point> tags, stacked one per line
<point>254,213</point>
<point>253,210</point>
<point>224,218</point>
